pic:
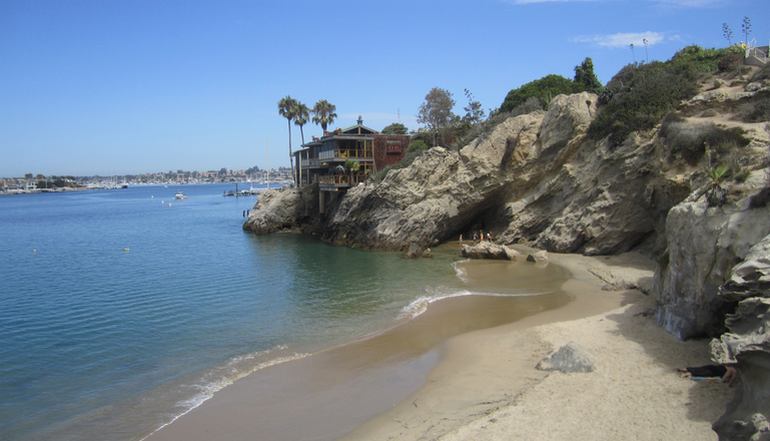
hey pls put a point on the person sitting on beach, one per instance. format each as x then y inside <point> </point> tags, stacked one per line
<point>727,374</point>
<point>481,235</point>
<point>489,236</point>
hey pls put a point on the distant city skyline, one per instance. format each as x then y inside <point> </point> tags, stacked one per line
<point>116,87</point>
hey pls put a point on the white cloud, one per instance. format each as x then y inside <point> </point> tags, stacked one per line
<point>621,39</point>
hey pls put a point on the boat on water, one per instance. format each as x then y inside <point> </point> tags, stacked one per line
<point>180,195</point>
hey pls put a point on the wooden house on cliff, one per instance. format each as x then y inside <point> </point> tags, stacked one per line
<point>343,158</point>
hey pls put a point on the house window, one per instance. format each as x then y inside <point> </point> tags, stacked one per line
<point>393,148</point>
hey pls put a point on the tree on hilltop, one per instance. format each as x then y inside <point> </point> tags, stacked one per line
<point>436,112</point>
<point>324,114</point>
<point>395,129</point>
<point>585,78</point>
<point>544,89</point>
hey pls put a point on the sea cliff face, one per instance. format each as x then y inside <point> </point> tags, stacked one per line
<point>539,179</point>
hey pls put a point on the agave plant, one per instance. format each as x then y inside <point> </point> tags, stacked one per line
<point>717,195</point>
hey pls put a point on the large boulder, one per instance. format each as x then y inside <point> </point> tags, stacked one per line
<point>746,345</point>
<point>569,358</point>
<point>567,117</point>
<point>280,209</point>
<point>489,250</point>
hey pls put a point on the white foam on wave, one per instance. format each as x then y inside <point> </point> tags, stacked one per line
<point>218,378</point>
<point>419,305</point>
<point>460,272</point>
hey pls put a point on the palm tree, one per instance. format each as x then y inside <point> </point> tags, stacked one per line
<point>323,113</point>
<point>301,116</point>
<point>287,108</point>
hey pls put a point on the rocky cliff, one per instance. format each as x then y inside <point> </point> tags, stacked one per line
<point>746,345</point>
<point>539,179</point>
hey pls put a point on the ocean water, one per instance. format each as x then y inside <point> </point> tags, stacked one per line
<point>122,309</point>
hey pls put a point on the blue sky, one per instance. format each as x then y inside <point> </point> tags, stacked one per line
<point>131,86</point>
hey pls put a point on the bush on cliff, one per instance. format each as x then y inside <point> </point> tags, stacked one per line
<point>639,95</point>
<point>543,89</point>
<point>690,140</point>
<point>760,111</point>
<point>705,60</point>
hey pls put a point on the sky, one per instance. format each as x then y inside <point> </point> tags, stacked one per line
<point>133,86</point>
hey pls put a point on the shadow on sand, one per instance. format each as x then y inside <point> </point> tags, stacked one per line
<point>706,399</point>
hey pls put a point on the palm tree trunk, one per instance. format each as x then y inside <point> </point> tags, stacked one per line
<point>291,157</point>
<point>302,133</point>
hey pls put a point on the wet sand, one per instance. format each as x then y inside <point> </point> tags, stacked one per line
<point>328,394</point>
<point>439,374</point>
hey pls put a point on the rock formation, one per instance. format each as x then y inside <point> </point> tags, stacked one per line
<point>281,210</point>
<point>438,195</point>
<point>747,346</point>
<point>703,245</point>
<point>538,179</point>
<point>569,358</point>
<point>489,250</point>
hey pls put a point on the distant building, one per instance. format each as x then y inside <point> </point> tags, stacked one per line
<point>327,160</point>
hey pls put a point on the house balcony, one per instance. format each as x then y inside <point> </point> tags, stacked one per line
<point>342,155</point>
<point>311,163</point>
<point>340,181</point>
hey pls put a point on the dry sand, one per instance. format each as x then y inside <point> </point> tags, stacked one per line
<point>486,388</point>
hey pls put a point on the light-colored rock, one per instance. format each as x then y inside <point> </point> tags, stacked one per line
<point>540,256</point>
<point>489,250</point>
<point>281,209</point>
<point>567,116</point>
<point>569,358</point>
<point>746,346</point>
<point>438,195</point>
<point>703,246</point>
<point>753,87</point>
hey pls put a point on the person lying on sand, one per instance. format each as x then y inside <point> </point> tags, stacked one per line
<point>726,373</point>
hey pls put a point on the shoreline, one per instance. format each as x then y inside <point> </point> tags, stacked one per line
<point>446,387</point>
<point>329,393</point>
<point>487,387</point>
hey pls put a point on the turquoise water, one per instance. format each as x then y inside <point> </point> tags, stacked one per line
<point>122,309</point>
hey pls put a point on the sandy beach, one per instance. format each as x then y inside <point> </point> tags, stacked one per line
<point>487,388</point>
<point>465,370</point>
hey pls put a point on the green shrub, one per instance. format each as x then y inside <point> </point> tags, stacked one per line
<point>762,74</point>
<point>638,97</point>
<point>729,62</point>
<point>705,60</point>
<point>417,146</point>
<point>543,89</point>
<point>690,140</point>
<point>760,110</point>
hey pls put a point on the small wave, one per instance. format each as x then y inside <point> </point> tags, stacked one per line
<point>419,305</point>
<point>218,378</point>
<point>460,272</point>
